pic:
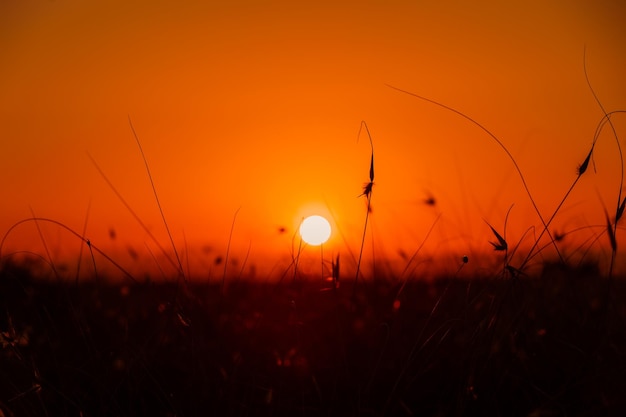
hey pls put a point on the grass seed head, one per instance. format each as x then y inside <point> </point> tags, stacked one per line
<point>501,244</point>
<point>583,167</point>
<point>367,189</point>
<point>429,200</point>
<point>558,236</point>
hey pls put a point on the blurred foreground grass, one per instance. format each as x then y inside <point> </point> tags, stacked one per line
<point>544,346</point>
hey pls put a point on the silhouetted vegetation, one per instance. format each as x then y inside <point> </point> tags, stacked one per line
<point>516,342</point>
<point>549,345</point>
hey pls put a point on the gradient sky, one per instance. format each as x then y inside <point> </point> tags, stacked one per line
<point>256,107</point>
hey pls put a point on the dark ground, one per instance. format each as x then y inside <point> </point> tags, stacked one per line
<point>550,346</point>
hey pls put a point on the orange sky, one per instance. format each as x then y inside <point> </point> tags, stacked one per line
<point>256,106</point>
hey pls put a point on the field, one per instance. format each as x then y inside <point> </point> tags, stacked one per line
<point>533,337</point>
<point>550,345</point>
<point>463,160</point>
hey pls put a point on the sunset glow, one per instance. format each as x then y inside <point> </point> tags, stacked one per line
<point>255,109</point>
<point>325,208</point>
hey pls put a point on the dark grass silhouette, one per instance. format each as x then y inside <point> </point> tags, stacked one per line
<point>499,343</point>
<point>582,168</point>
<point>544,346</point>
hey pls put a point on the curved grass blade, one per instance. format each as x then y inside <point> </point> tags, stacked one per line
<point>499,142</point>
<point>156,196</point>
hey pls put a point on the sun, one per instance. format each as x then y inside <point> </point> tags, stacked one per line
<point>315,230</point>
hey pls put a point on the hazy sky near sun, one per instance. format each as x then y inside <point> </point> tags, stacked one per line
<point>256,106</point>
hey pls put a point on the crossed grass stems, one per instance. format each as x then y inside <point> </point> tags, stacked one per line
<point>500,244</point>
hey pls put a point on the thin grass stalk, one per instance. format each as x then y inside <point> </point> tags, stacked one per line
<point>340,232</point>
<point>86,241</point>
<point>613,232</point>
<point>230,238</point>
<point>415,253</point>
<point>495,138</point>
<point>156,262</point>
<point>296,260</point>
<point>245,261</point>
<point>322,261</point>
<point>582,168</point>
<point>156,196</point>
<point>592,241</point>
<point>521,239</point>
<point>367,192</point>
<point>80,250</point>
<point>45,245</point>
<point>93,259</point>
<point>132,212</point>
<point>549,222</point>
<point>186,253</point>
<point>501,244</point>
<point>464,262</point>
<point>358,264</point>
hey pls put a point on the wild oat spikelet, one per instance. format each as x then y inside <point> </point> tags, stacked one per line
<point>583,167</point>
<point>367,187</point>
<point>501,245</point>
<point>367,192</point>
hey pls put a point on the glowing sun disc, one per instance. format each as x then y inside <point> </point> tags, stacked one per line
<point>315,230</point>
